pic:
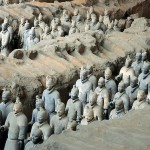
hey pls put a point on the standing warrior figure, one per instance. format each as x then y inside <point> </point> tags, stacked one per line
<point>74,106</point>
<point>16,124</point>
<point>50,97</point>
<point>110,84</point>
<point>5,40</point>
<point>103,96</point>
<point>84,86</point>
<point>59,121</point>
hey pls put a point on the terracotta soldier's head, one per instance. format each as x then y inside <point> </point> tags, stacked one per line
<point>101,82</point>
<point>108,73</point>
<point>88,113</point>
<point>6,95</point>
<point>121,87</point>
<point>42,116</point>
<point>37,136</point>
<point>141,96</point>
<point>61,109</point>
<point>74,93</point>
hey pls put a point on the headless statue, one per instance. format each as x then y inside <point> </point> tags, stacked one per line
<point>59,121</point>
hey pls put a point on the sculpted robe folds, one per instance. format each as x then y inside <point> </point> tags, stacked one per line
<point>17,129</point>
<point>139,105</point>
<point>116,114</point>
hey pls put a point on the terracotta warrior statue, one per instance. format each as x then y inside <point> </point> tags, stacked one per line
<point>25,35</point>
<point>72,125</point>
<point>93,24</point>
<point>100,25</point>
<point>88,18</point>
<point>5,40</point>
<point>110,84</point>
<point>16,124</point>
<point>106,18</point>
<point>140,103</point>
<point>109,28</point>
<point>59,121</point>
<point>80,23</point>
<point>38,104</point>
<point>42,124</point>
<point>84,86</point>
<point>118,111</point>
<point>144,58</point>
<point>76,14</point>
<point>74,106</point>
<point>126,72</point>
<point>91,76</point>
<point>116,28</point>
<point>54,31</point>
<point>37,140</point>
<point>103,96</point>
<point>42,24</point>
<point>144,78</point>
<point>137,64</point>
<point>97,110</point>
<point>73,28</point>
<point>132,90</point>
<point>89,116</point>
<point>32,39</point>
<point>61,32</point>
<point>47,34</point>
<point>50,96</point>
<point>121,94</point>
<point>6,106</point>
<point>38,29</point>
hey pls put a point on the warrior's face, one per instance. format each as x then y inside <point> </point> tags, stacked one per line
<point>61,110</point>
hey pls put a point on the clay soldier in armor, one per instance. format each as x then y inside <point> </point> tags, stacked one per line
<point>144,78</point>
<point>76,14</point>
<point>42,24</point>
<point>87,27</point>
<point>106,18</point>
<point>21,28</point>
<point>89,116</point>
<point>121,94</point>
<point>38,29</point>
<point>37,140</point>
<point>79,23</point>
<point>73,28</point>
<point>144,58</point>
<point>137,64</point>
<point>93,24</point>
<point>103,96</point>
<point>91,77</point>
<point>88,18</point>
<point>74,106</point>
<point>65,16</point>
<point>32,39</point>
<point>84,86</point>
<point>116,28</point>
<point>126,72</point>
<point>110,84</point>
<point>110,28</point>
<point>132,90</point>
<point>42,124</point>
<point>100,25</point>
<point>6,106</point>
<point>97,110</point>
<point>25,35</point>
<point>5,40</point>
<point>38,104</point>
<point>59,121</point>
<point>50,96</point>
<point>47,34</point>
<point>128,22</point>
<point>16,124</point>
<point>54,31</point>
<point>118,112</point>
<point>60,31</point>
<point>140,103</point>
